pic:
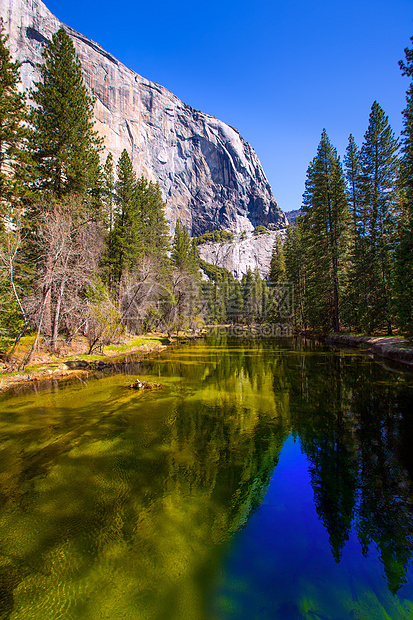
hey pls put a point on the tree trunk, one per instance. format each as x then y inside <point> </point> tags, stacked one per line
<point>56,320</point>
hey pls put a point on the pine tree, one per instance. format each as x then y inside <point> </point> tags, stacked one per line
<point>13,129</point>
<point>277,265</point>
<point>377,217</point>
<point>404,254</point>
<point>181,248</point>
<point>14,171</point>
<point>248,295</point>
<point>123,243</point>
<point>194,259</point>
<point>295,271</point>
<point>64,141</point>
<point>325,237</point>
<point>154,228</point>
<point>108,191</point>
<point>258,295</point>
<point>353,172</point>
<point>355,300</point>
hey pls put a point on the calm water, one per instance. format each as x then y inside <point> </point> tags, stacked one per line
<point>267,480</point>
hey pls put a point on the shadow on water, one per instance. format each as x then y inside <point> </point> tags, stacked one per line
<point>117,504</point>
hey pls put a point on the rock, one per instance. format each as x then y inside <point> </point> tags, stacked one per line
<point>145,385</point>
<point>245,250</point>
<point>210,176</point>
<point>292,215</point>
<point>77,364</point>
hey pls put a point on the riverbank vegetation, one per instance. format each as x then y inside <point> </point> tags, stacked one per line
<point>85,250</point>
<point>84,247</point>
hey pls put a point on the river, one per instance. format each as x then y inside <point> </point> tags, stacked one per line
<point>269,479</point>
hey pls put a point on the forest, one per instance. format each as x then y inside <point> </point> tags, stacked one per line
<point>85,246</point>
<point>350,255</point>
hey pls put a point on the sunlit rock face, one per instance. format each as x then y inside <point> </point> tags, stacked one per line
<point>244,251</point>
<point>210,177</point>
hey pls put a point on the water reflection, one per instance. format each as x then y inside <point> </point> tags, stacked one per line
<point>120,505</point>
<point>352,418</point>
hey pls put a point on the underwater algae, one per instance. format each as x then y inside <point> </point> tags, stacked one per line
<point>259,483</point>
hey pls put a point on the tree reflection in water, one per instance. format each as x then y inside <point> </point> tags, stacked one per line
<point>115,505</point>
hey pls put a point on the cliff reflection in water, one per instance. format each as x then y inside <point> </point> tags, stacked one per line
<point>115,504</point>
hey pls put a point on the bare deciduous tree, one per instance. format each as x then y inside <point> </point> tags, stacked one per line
<point>69,244</point>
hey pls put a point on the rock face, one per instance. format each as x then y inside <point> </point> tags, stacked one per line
<point>245,250</point>
<point>292,215</point>
<point>210,177</point>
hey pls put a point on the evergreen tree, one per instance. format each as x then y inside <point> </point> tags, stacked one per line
<point>277,265</point>
<point>355,300</point>
<point>325,237</point>
<point>13,130</point>
<point>295,270</point>
<point>64,142</point>
<point>353,173</point>
<point>124,243</point>
<point>181,248</point>
<point>379,169</point>
<point>404,254</point>
<point>152,220</point>
<point>108,191</point>
<point>248,295</point>
<point>274,295</point>
<point>235,305</point>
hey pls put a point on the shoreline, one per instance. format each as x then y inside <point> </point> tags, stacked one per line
<point>76,366</point>
<point>386,347</point>
<point>82,366</point>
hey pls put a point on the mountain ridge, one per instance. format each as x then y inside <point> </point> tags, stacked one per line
<point>210,177</point>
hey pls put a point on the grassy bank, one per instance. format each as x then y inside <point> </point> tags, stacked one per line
<point>73,360</point>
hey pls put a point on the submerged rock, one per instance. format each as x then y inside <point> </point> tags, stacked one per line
<point>145,385</point>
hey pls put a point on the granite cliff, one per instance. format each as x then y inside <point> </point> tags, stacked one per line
<point>210,176</point>
<point>244,251</point>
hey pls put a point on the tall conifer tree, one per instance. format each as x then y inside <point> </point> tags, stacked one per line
<point>325,235</point>
<point>108,191</point>
<point>154,228</point>
<point>124,246</point>
<point>353,171</point>
<point>295,270</point>
<point>277,265</point>
<point>404,255</point>
<point>356,298</point>
<point>377,219</point>
<point>64,141</point>
<point>13,129</point>
<point>181,248</point>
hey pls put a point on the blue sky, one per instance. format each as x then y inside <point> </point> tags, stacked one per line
<point>277,71</point>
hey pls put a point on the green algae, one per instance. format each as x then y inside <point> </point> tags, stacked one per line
<point>114,506</point>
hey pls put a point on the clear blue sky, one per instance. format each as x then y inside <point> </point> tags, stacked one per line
<point>278,71</point>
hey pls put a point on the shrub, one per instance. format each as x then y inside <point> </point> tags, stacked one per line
<point>216,236</point>
<point>259,230</point>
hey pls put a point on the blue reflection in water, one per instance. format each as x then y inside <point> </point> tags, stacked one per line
<point>122,505</point>
<point>281,566</point>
